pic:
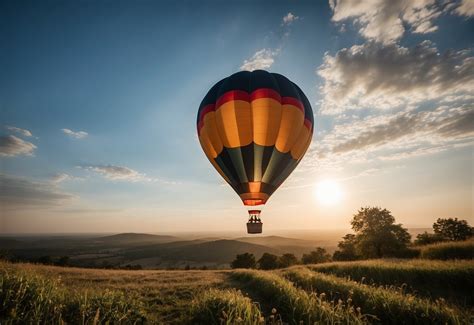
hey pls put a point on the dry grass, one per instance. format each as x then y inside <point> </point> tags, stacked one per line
<point>165,295</point>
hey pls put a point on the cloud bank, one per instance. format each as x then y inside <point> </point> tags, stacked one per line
<point>23,132</point>
<point>18,192</point>
<point>118,173</point>
<point>11,146</point>
<point>386,21</point>
<point>376,76</point>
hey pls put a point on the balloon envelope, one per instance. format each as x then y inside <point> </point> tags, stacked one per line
<point>254,128</point>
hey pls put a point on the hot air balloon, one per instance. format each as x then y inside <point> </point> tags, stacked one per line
<point>254,128</point>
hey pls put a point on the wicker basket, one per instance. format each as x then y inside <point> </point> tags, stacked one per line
<point>254,227</point>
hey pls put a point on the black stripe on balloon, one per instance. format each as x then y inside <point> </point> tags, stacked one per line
<point>263,79</point>
<point>248,153</point>
<point>255,163</point>
<point>225,163</point>
<point>277,166</point>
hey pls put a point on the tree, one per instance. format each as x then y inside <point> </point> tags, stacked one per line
<point>347,249</point>
<point>453,229</point>
<point>268,261</point>
<point>287,260</point>
<point>244,261</point>
<point>318,256</point>
<point>376,235</point>
<point>427,238</point>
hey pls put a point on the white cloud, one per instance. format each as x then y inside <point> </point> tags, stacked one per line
<point>376,76</point>
<point>262,59</point>
<point>18,192</point>
<point>75,134</point>
<point>466,8</point>
<point>384,21</point>
<point>395,136</point>
<point>23,132</point>
<point>289,18</point>
<point>118,173</point>
<point>11,146</point>
<point>61,177</point>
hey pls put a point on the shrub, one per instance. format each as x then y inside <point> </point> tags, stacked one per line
<point>287,260</point>
<point>318,256</point>
<point>224,307</point>
<point>244,261</point>
<point>268,262</point>
<point>426,238</point>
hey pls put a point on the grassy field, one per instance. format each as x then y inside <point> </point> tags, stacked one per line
<point>448,250</point>
<point>298,295</point>
<point>450,280</point>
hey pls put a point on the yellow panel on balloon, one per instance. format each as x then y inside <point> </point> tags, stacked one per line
<point>234,123</point>
<point>292,120</point>
<point>301,144</point>
<point>266,114</point>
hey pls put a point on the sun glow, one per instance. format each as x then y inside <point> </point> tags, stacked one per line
<point>328,192</point>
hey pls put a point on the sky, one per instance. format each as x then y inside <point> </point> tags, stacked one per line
<point>98,104</point>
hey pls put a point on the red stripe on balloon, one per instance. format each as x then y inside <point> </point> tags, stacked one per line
<point>232,95</point>
<point>265,93</point>
<point>308,124</point>
<point>292,101</point>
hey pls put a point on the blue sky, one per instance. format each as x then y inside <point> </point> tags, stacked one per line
<point>130,76</point>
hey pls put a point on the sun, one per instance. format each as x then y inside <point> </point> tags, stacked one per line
<point>328,192</point>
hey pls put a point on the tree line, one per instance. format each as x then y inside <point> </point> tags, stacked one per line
<point>270,261</point>
<point>375,235</point>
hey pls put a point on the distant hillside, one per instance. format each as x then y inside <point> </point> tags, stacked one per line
<point>215,252</point>
<point>277,241</point>
<point>221,251</point>
<point>129,238</point>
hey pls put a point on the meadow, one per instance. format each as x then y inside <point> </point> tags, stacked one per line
<point>361,292</point>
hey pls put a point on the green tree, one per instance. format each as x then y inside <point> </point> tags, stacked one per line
<point>347,249</point>
<point>376,235</point>
<point>320,255</point>
<point>244,261</point>
<point>287,260</point>
<point>427,238</point>
<point>268,261</point>
<point>453,229</point>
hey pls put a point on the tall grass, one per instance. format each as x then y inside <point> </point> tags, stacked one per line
<point>389,306</point>
<point>29,298</point>
<point>216,306</point>
<point>448,250</point>
<point>452,280</point>
<point>293,304</point>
